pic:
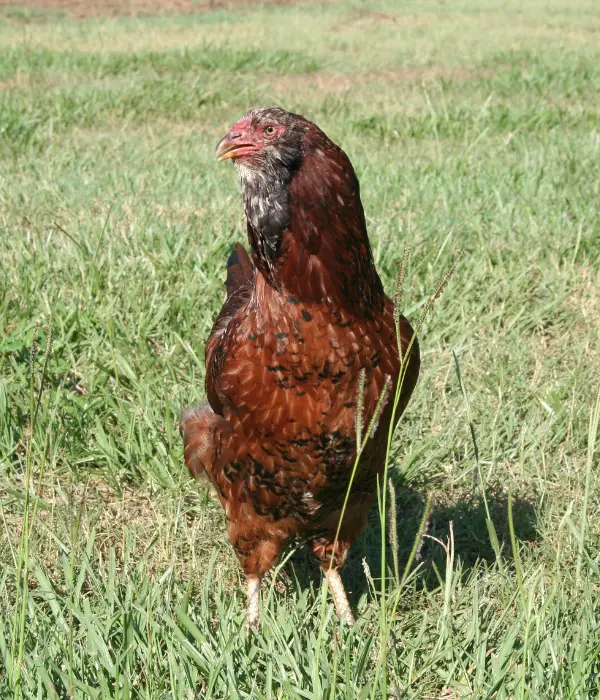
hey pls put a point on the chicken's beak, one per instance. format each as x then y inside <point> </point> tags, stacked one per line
<point>235,145</point>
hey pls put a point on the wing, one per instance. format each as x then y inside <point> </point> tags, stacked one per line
<point>239,285</point>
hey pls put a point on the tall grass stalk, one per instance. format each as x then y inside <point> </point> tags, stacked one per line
<point>477,476</point>
<point>592,435</point>
<point>381,673</point>
<point>360,449</point>
<point>22,573</point>
<point>382,491</point>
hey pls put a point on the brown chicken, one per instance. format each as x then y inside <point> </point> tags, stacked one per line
<point>283,362</point>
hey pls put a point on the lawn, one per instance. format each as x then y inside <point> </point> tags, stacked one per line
<point>473,125</point>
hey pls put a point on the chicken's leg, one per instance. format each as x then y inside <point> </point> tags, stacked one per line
<point>340,600</point>
<point>253,583</point>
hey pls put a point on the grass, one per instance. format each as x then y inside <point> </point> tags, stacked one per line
<point>472,125</point>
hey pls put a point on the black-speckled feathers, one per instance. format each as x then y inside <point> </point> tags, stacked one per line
<point>284,358</point>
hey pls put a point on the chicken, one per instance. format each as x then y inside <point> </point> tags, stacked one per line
<point>283,362</point>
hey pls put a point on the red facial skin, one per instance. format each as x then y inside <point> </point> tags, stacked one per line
<point>244,139</point>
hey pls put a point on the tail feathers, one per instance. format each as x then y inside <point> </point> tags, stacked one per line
<point>240,271</point>
<point>197,425</point>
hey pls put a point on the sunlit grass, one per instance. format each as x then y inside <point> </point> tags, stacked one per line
<point>472,126</point>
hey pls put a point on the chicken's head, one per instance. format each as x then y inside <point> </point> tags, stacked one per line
<point>266,139</point>
<point>266,145</point>
<point>305,221</point>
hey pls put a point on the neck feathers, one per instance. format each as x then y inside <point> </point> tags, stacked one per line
<point>267,208</point>
<point>307,231</point>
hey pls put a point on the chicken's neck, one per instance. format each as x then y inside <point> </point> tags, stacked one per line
<point>308,235</point>
<point>266,204</point>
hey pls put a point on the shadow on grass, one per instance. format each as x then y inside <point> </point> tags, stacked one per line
<point>472,545</point>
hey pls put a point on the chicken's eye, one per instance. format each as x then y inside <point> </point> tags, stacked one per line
<point>269,131</point>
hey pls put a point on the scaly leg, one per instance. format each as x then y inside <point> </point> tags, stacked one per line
<point>340,600</point>
<point>253,615</point>
<point>257,554</point>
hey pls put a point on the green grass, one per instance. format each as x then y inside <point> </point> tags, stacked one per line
<point>472,125</point>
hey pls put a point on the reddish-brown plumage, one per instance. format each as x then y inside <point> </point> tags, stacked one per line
<point>284,358</point>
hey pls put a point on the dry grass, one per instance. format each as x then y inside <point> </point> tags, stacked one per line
<point>83,9</point>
